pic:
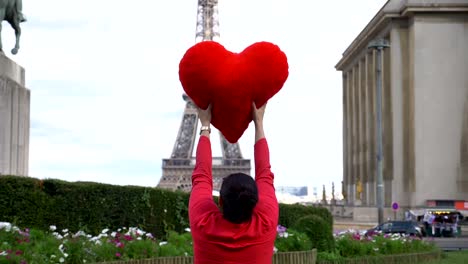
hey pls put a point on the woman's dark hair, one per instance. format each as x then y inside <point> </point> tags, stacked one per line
<point>239,196</point>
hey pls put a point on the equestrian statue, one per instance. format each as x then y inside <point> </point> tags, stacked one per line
<point>11,11</point>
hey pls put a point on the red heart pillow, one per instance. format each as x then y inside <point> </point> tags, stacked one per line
<point>232,81</point>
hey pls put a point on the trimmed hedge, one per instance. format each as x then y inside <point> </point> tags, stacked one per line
<point>92,207</point>
<point>89,206</point>
<point>318,230</point>
<point>290,213</point>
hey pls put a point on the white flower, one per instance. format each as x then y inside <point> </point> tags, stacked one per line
<point>89,236</point>
<point>149,235</point>
<point>5,225</point>
<point>98,242</point>
<point>61,248</point>
<point>113,234</point>
<point>62,260</point>
<point>3,253</point>
<point>105,230</point>
<point>80,233</point>
<point>162,243</point>
<point>57,235</point>
<point>64,230</point>
<point>65,254</point>
<point>52,228</point>
<point>165,210</point>
<point>275,250</point>
<point>187,229</point>
<point>120,229</point>
<point>52,256</point>
<point>138,238</point>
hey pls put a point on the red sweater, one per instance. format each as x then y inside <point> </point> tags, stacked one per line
<point>216,240</point>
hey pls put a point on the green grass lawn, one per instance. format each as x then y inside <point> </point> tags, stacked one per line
<point>453,257</point>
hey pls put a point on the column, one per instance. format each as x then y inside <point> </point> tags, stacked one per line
<point>371,119</point>
<point>354,168</point>
<point>363,131</point>
<point>346,154</point>
<point>387,125</point>
<point>349,133</point>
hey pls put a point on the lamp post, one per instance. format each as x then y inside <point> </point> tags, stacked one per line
<point>379,45</point>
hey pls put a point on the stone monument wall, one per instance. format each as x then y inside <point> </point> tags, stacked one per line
<point>15,101</point>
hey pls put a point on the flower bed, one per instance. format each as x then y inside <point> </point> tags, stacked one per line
<point>125,245</point>
<point>354,247</point>
<point>133,245</point>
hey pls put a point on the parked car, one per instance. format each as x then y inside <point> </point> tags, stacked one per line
<point>397,227</point>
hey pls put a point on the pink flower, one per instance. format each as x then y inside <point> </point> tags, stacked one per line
<point>281,229</point>
<point>119,245</point>
<point>356,236</point>
<point>118,255</point>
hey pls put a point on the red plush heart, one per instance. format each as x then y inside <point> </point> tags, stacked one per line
<point>232,81</point>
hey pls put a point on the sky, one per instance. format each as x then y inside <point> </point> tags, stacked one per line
<point>106,101</point>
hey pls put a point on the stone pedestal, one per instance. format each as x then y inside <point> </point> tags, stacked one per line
<point>15,101</point>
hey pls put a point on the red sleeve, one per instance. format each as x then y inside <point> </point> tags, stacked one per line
<point>267,203</point>
<point>201,197</point>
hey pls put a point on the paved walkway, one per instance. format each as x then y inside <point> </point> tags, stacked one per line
<point>349,224</point>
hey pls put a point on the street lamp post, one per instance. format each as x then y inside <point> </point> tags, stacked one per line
<point>379,45</point>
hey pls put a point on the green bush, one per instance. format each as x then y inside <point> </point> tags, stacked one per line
<point>351,246</point>
<point>291,240</point>
<point>318,230</point>
<point>290,213</point>
<point>177,245</point>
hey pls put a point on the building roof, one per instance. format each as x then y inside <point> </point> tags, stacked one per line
<point>396,9</point>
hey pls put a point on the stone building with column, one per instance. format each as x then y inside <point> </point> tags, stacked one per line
<point>424,108</point>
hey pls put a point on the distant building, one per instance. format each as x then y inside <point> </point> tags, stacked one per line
<point>296,191</point>
<point>424,108</point>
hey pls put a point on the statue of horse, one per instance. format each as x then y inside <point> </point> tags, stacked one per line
<point>9,12</point>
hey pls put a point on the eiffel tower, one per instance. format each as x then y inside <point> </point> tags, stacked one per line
<point>177,170</point>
